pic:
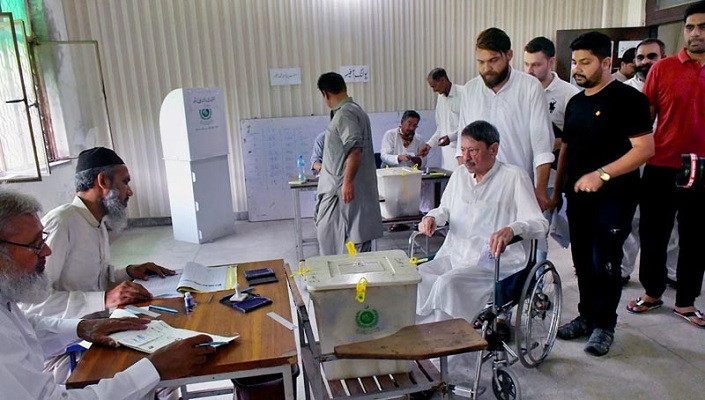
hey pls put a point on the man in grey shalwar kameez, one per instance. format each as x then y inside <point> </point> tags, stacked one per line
<point>347,201</point>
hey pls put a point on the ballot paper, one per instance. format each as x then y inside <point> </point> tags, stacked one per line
<point>157,335</point>
<point>193,277</point>
<point>486,260</point>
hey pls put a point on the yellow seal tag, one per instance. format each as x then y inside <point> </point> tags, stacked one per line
<point>361,288</point>
<point>351,248</point>
<point>302,270</point>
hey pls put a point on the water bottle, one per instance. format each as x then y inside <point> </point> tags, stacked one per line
<point>302,171</point>
<point>189,302</point>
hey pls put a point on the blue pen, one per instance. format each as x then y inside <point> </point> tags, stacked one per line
<point>162,308</point>
<point>214,344</point>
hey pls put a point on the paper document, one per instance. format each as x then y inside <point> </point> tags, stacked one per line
<point>486,259</point>
<point>193,278</point>
<point>157,335</point>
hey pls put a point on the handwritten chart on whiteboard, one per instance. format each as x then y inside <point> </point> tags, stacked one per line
<point>270,149</point>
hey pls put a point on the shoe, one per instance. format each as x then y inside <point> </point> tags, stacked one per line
<point>600,341</point>
<point>625,280</point>
<point>398,228</point>
<point>576,328</point>
<point>695,318</point>
<point>639,306</point>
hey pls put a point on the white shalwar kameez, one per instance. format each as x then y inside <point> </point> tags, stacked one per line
<point>453,285</point>
<point>519,111</point>
<point>447,109</point>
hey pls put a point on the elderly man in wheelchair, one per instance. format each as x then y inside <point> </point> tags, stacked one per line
<point>487,204</point>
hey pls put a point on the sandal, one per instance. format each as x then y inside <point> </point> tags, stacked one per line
<point>688,315</point>
<point>641,306</point>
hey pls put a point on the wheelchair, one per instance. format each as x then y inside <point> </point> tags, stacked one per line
<point>536,292</point>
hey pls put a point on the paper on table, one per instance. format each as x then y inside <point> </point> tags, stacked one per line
<point>162,287</point>
<point>193,278</point>
<point>157,335</point>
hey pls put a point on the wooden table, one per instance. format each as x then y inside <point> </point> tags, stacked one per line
<point>436,175</point>
<point>264,346</point>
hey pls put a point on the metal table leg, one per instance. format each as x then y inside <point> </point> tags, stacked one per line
<point>297,225</point>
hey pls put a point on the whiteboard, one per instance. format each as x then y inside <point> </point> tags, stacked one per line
<point>271,146</point>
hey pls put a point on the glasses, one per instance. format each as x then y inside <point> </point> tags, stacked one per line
<point>34,247</point>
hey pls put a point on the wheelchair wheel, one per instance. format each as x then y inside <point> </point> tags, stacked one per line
<point>538,314</point>
<point>505,385</point>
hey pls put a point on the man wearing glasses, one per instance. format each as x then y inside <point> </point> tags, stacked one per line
<point>24,340</point>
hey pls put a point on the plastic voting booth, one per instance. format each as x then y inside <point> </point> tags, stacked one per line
<point>195,145</point>
<point>401,189</point>
<point>358,298</point>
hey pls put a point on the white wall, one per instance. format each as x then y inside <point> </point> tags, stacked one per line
<point>150,47</point>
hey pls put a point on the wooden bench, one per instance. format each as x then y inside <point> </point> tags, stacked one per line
<point>417,343</point>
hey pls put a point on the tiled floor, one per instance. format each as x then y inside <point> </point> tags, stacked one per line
<point>655,356</point>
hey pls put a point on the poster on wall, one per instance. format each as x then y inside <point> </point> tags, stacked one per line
<point>355,73</point>
<point>284,76</point>
<point>625,45</point>
<point>204,110</point>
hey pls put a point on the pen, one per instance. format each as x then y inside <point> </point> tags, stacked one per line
<point>214,344</point>
<point>161,308</point>
<point>210,298</point>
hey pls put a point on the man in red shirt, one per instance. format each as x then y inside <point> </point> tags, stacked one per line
<point>675,87</point>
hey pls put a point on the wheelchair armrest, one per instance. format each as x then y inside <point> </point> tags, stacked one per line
<point>515,239</point>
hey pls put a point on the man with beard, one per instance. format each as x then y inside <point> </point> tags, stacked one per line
<point>25,339</point>
<point>675,87</point>
<point>601,154</point>
<point>82,279</point>
<point>513,102</point>
<point>486,204</point>
<point>401,146</point>
<point>648,53</point>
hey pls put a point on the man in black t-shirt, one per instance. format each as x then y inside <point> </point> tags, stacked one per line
<point>597,169</point>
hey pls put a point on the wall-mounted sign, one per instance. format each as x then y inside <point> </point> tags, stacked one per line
<point>284,76</point>
<point>355,73</point>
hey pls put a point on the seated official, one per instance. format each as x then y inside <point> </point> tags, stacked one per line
<point>83,282</point>
<point>26,340</point>
<point>401,147</point>
<point>486,204</point>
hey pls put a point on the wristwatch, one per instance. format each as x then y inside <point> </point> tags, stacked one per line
<point>603,174</point>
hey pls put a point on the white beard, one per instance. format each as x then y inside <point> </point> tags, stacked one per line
<point>116,212</point>
<point>21,287</point>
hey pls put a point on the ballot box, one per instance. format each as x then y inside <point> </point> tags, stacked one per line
<point>361,297</point>
<point>400,187</point>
